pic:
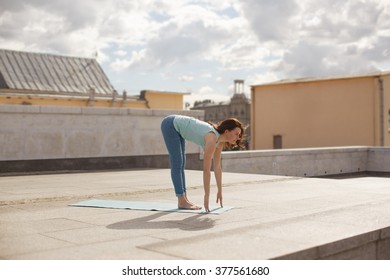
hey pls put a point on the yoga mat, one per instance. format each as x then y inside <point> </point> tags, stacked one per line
<point>146,205</point>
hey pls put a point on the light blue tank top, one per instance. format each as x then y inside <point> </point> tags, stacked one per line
<point>193,129</point>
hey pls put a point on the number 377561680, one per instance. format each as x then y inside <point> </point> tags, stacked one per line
<point>234,270</point>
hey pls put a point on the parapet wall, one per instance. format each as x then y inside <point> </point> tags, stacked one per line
<point>36,133</point>
<point>310,162</point>
<point>44,138</point>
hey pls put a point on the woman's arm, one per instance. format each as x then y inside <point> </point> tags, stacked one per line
<point>218,171</point>
<point>209,150</point>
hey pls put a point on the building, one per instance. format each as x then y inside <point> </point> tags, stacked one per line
<point>53,80</point>
<point>239,107</point>
<point>338,111</point>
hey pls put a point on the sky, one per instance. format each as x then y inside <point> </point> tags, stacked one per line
<point>202,46</point>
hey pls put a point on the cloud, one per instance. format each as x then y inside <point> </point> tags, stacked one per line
<point>51,26</point>
<point>307,60</point>
<point>271,20</point>
<point>342,21</point>
<point>262,78</point>
<point>330,37</point>
<point>120,53</point>
<point>190,44</point>
<point>186,78</point>
<point>206,92</point>
<point>244,53</point>
<point>189,33</point>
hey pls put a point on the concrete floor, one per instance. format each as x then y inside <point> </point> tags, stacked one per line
<point>275,217</point>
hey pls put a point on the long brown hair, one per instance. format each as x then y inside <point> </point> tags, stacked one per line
<point>230,124</point>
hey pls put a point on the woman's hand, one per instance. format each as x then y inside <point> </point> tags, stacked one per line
<point>206,203</point>
<point>219,198</point>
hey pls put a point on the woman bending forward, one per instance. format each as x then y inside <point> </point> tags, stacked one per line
<point>176,130</point>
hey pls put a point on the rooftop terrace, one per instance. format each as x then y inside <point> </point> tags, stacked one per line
<point>275,217</point>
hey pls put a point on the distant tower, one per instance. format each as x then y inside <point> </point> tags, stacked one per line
<point>239,107</point>
<point>239,93</point>
<point>238,86</point>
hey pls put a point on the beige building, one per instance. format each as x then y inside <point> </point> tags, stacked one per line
<point>342,111</point>
<point>54,80</point>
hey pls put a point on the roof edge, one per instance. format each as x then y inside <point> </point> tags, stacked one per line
<point>325,78</point>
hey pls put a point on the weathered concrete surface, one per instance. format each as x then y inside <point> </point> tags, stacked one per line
<point>310,162</point>
<point>274,217</point>
<point>52,132</point>
<point>61,139</point>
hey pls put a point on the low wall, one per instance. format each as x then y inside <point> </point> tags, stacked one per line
<point>378,160</point>
<point>44,138</point>
<point>311,162</point>
<point>38,138</point>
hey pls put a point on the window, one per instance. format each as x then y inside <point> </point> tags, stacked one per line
<point>277,141</point>
<point>389,122</point>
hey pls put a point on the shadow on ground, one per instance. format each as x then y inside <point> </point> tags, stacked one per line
<point>193,223</point>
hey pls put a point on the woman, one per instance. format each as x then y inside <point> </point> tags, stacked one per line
<point>212,138</point>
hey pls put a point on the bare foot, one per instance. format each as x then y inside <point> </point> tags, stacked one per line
<point>184,203</point>
<point>190,207</point>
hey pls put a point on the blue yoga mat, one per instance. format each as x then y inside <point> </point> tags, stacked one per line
<point>146,205</point>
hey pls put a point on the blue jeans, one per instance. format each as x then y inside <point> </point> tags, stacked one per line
<point>176,146</point>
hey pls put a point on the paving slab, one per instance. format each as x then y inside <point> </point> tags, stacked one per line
<point>274,217</point>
